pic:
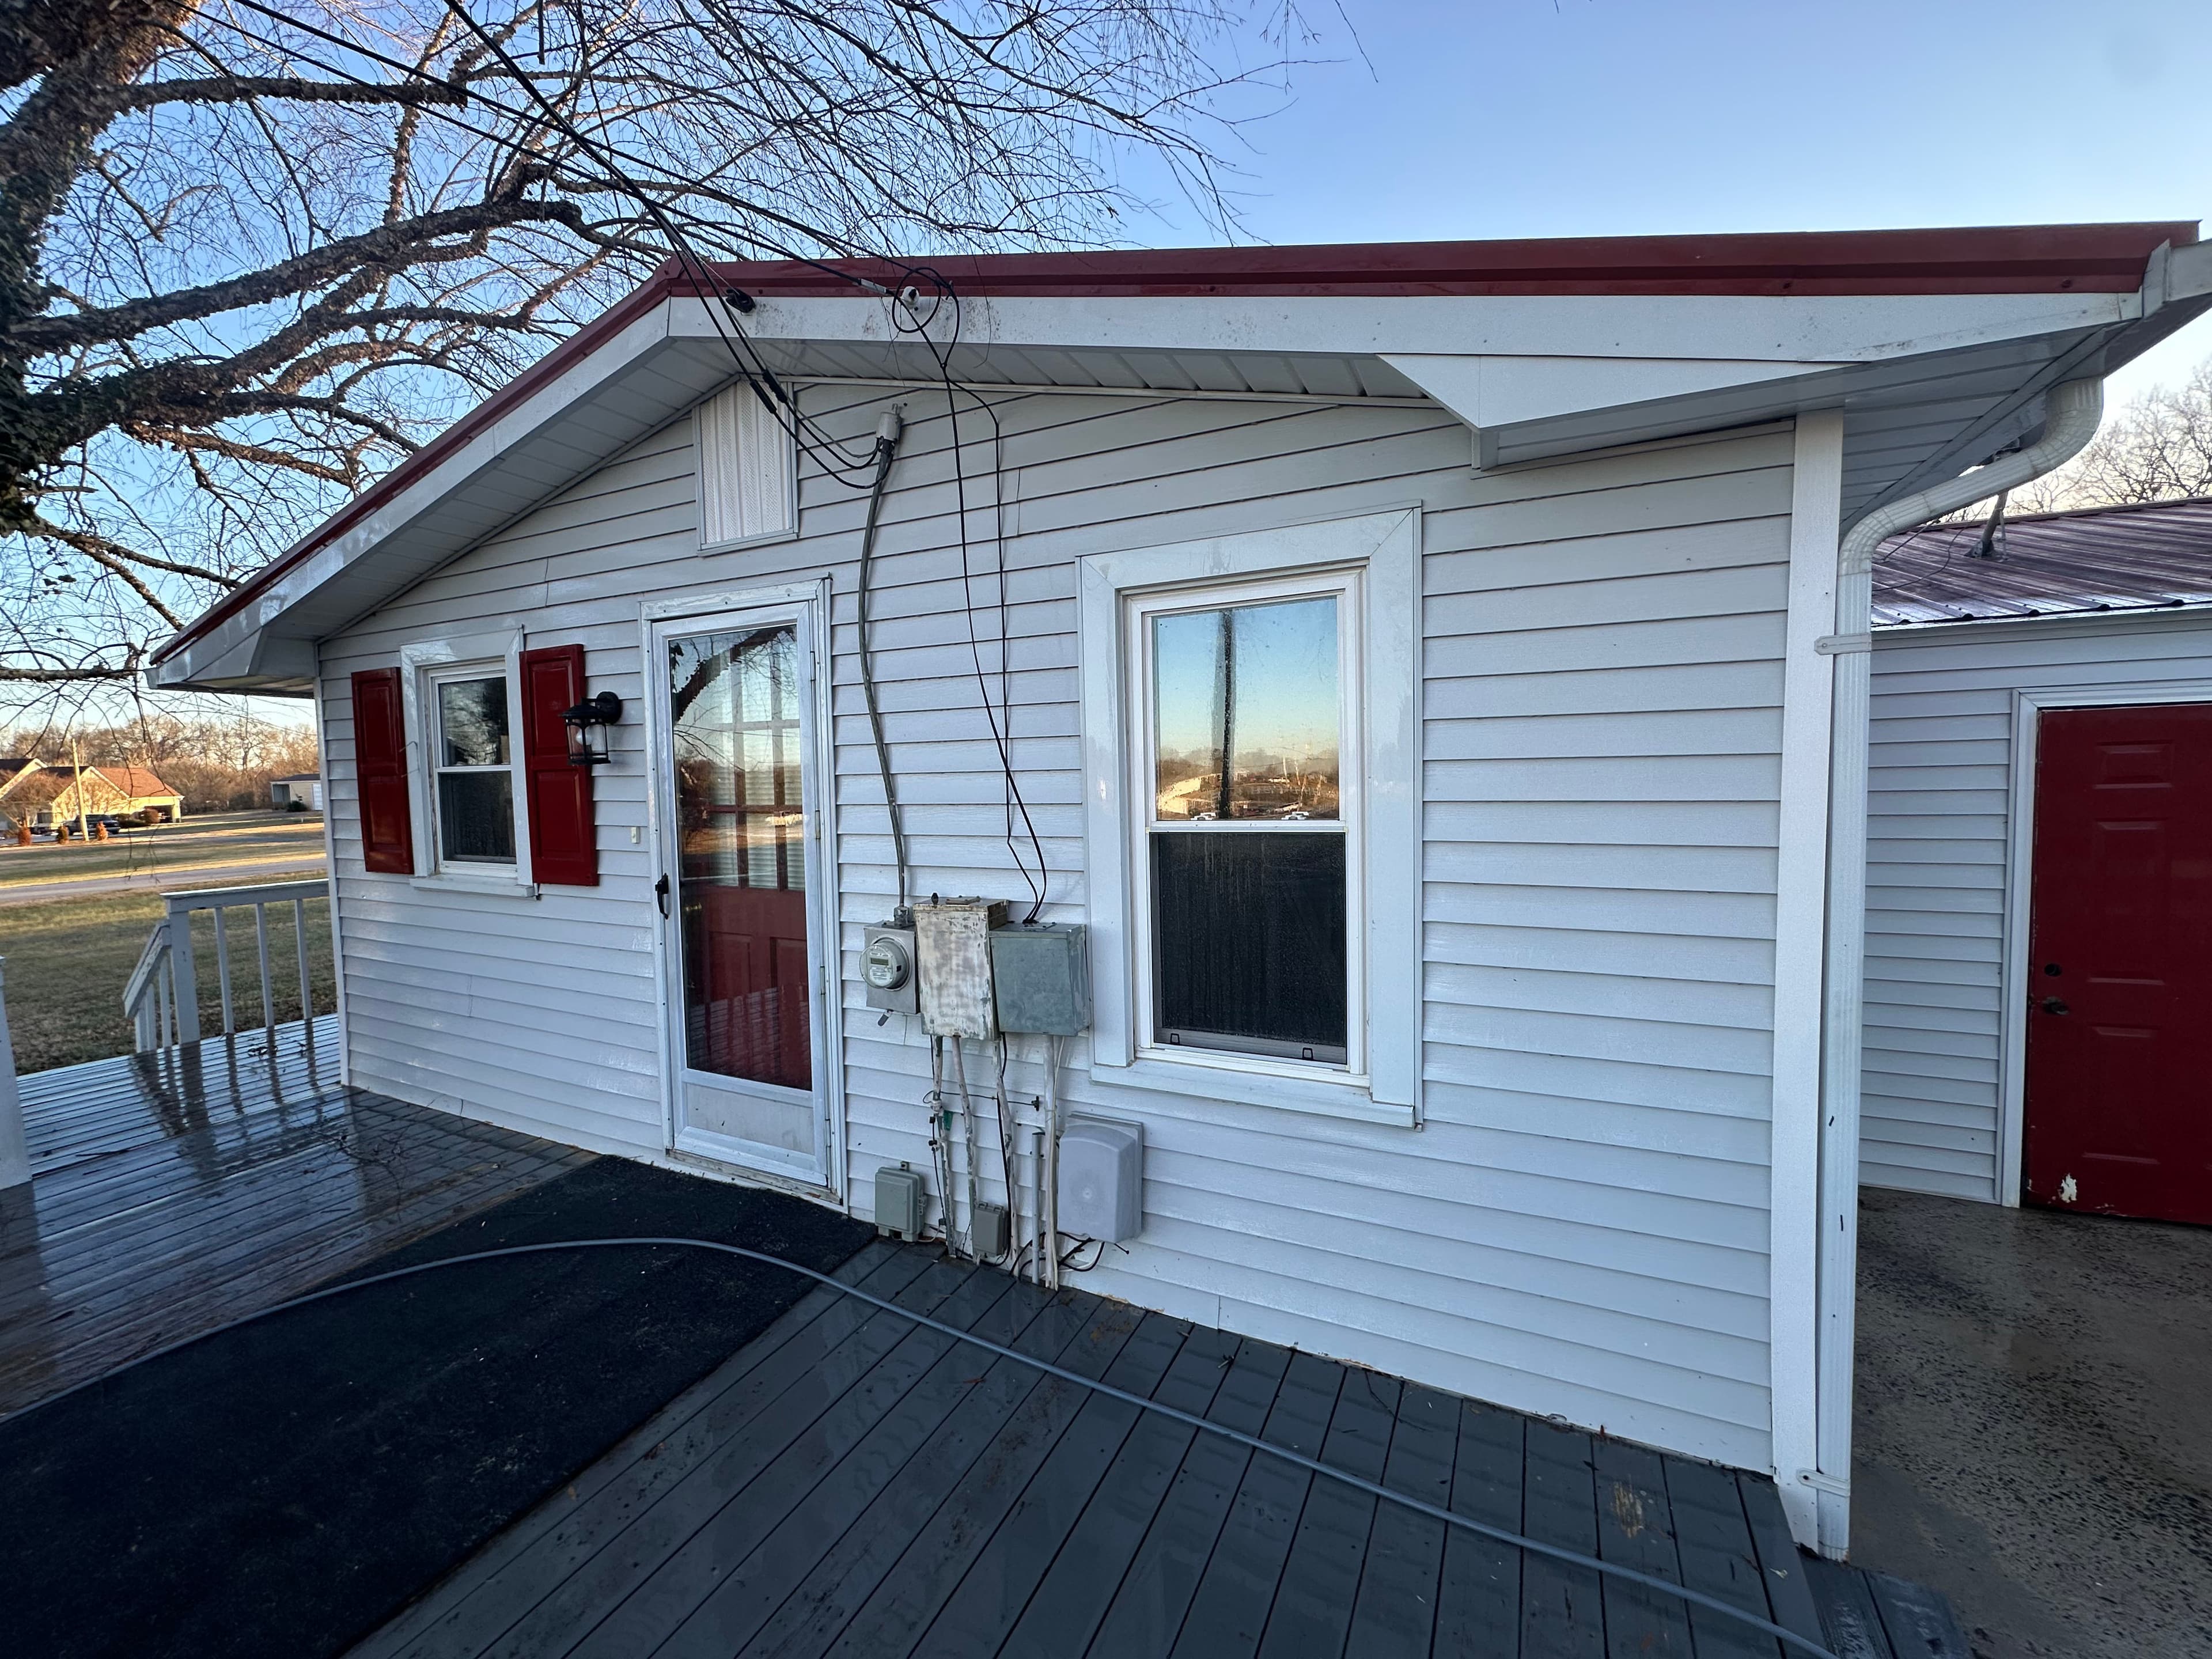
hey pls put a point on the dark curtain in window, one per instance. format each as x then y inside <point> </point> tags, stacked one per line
<point>1249,934</point>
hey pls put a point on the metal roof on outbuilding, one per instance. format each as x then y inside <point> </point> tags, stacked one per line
<point>2152,556</point>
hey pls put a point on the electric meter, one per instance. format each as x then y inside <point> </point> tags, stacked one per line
<point>887,969</point>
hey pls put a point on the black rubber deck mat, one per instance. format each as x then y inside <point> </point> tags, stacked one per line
<point>282,1489</point>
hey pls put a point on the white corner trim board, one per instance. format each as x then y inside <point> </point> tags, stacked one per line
<point>2028,706</point>
<point>1384,549</point>
<point>1800,949</point>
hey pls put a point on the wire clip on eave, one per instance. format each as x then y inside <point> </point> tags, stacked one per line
<point>1536,1547</point>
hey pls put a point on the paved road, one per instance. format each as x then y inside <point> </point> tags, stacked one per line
<point>158,881</point>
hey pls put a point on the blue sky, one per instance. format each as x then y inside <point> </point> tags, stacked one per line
<point>1517,117</point>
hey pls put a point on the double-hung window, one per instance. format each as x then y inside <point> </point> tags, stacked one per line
<point>1248,803</point>
<point>472,760</point>
<point>1252,875</point>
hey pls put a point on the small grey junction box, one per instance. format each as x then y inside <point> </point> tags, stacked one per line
<point>1102,1179</point>
<point>1040,973</point>
<point>899,1195</point>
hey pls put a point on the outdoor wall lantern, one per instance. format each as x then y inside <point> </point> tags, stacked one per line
<point>589,722</point>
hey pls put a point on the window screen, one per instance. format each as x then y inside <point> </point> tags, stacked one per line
<point>1246,831</point>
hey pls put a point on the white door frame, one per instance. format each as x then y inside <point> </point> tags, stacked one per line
<point>2028,703</point>
<point>808,606</point>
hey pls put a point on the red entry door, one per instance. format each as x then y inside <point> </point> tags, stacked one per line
<point>2119,1019</point>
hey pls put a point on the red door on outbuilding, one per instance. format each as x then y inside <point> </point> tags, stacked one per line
<point>2118,1095</point>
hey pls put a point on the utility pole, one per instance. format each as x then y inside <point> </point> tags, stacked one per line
<point>77,767</point>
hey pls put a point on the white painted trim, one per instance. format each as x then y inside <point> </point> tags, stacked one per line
<point>418,659</point>
<point>2028,703</point>
<point>809,603</point>
<point>1801,950</point>
<point>1386,545</point>
<point>331,869</point>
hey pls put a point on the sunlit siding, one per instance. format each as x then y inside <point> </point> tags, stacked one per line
<point>1580,1227</point>
<point>1939,841</point>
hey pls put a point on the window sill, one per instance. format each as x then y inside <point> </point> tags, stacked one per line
<point>1336,1095</point>
<point>497,886</point>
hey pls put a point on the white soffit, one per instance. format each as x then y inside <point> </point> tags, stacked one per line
<point>1497,391</point>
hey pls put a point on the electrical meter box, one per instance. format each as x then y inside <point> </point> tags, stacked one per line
<point>900,1198</point>
<point>887,969</point>
<point>952,938</point>
<point>1102,1179</point>
<point>1040,975</point>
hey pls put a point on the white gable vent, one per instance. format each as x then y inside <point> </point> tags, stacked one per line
<point>745,470</point>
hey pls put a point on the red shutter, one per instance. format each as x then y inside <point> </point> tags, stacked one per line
<point>379,758</point>
<point>564,848</point>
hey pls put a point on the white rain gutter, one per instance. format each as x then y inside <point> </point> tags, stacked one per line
<point>2072,412</point>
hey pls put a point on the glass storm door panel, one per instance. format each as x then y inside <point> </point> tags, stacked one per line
<point>739,728</point>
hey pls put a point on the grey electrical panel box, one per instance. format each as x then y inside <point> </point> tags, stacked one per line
<point>1040,975</point>
<point>953,954</point>
<point>887,969</point>
<point>989,1230</point>
<point>900,1198</point>
<point>1102,1179</point>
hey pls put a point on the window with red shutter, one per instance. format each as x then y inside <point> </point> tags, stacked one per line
<point>564,844</point>
<point>379,753</point>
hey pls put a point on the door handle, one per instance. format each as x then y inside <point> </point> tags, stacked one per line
<point>2053,1005</point>
<point>660,894</point>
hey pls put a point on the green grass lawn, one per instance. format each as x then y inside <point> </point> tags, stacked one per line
<point>220,838</point>
<point>68,961</point>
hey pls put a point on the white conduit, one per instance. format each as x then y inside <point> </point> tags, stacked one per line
<point>1555,1552</point>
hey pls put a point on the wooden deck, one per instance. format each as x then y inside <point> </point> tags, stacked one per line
<point>175,1190</point>
<point>850,1484</point>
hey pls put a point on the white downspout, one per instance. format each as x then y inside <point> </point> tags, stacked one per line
<point>2072,412</point>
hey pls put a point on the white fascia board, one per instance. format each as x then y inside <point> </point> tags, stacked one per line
<point>1793,331</point>
<point>233,648</point>
<point>1486,391</point>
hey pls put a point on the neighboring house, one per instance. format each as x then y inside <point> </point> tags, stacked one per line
<point>2039,891</point>
<point>1510,597</point>
<point>15,770</point>
<point>305,788</point>
<point>58,794</point>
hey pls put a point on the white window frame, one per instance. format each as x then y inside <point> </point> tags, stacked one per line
<point>1344,585</point>
<point>423,665</point>
<point>1378,558</point>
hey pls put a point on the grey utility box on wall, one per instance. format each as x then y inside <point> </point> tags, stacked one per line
<point>1102,1179</point>
<point>900,1198</point>
<point>1041,972</point>
<point>887,969</point>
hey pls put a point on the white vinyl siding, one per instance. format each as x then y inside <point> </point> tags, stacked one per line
<point>1580,1225</point>
<point>1938,843</point>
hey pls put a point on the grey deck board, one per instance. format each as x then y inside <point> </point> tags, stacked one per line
<point>1148,1611</point>
<point>996,1588</point>
<point>1312,1611</point>
<point>1395,1612</point>
<point>1562,1606</point>
<point>1229,1614</point>
<point>1086,1574</point>
<point>792,1426</point>
<point>173,1191</point>
<point>1636,1529</point>
<point>1479,1601</point>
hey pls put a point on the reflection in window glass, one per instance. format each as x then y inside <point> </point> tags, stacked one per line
<point>472,722</point>
<point>1245,712</point>
<point>475,781</point>
<point>736,713</point>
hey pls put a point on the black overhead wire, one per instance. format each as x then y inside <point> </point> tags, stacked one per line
<point>758,375</point>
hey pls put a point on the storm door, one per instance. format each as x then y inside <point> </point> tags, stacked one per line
<point>741,918</point>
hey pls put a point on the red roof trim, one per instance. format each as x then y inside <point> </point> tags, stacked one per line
<point>2005,259</point>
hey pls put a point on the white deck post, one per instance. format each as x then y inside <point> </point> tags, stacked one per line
<point>14,1151</point>
<point>187,1003</point>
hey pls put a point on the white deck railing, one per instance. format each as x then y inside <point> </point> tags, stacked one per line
<point>162,999</point>
<point>15,1154</point>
